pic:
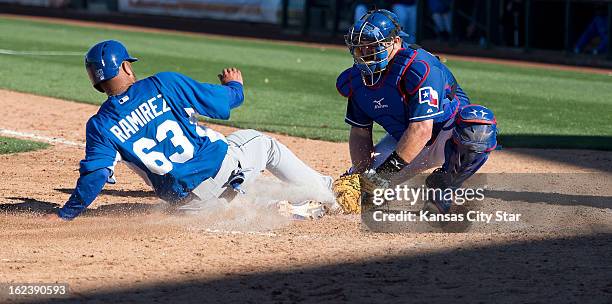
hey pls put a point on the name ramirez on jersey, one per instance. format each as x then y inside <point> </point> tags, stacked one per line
<point>142,115</point>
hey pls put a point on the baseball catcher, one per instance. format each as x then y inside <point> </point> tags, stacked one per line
<point>428,118</point>
<point>150,124</point>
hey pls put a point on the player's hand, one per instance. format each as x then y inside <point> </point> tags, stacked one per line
<point>230,74</point>
<point>372,180</point>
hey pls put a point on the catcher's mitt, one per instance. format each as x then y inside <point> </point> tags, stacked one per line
<point>347,189</point>
<point>351,189</point>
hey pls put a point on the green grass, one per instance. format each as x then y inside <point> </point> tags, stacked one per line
<point>12,145</point>
<point>535,107</point>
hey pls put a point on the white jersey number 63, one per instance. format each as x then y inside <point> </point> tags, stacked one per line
<point>157,162</point>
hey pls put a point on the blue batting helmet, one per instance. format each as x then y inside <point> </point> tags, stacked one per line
<point>369,40</point>
<point>104,60</point>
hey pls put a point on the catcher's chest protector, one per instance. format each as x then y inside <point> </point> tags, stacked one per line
<point>385,103</point>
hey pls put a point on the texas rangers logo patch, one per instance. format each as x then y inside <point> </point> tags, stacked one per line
<point>428,95</point>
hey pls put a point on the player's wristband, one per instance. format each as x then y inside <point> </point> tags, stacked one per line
<point>392,165</point>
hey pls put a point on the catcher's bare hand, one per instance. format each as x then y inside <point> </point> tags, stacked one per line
<point>230,74</point>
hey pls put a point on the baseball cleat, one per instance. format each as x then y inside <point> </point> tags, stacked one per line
<point>436,207</point>
<point>438,179</point>
<point>332,208</point>
<point>306,210</point>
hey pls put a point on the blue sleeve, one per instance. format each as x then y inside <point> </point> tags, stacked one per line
<point>210,100</point>
<point>99,151</point>
<point>424,103</point>
<point>87,189</point>
<point>237,92</point>
<point>343,83</point>
<point>356,117</point>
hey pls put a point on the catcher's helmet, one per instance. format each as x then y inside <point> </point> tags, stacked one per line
<point>368,41</point>
<point>104,60</point>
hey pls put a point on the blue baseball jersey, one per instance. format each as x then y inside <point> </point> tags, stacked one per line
<point>150,127</point>
<point>415,87</point>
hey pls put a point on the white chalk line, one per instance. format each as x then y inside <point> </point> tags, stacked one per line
<point>234,232</point>
<point>48,139</point>
<point>40,53</point>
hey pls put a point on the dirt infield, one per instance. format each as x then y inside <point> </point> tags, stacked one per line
<point>126,251</point>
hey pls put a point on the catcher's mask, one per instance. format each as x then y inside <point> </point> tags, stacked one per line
<point>370,41</point>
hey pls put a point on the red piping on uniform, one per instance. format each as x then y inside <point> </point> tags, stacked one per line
<point>399,83</point>
<point>455,112</point>
<point>380,83</point>
<point>422,80</point>
<point>446,86</point>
